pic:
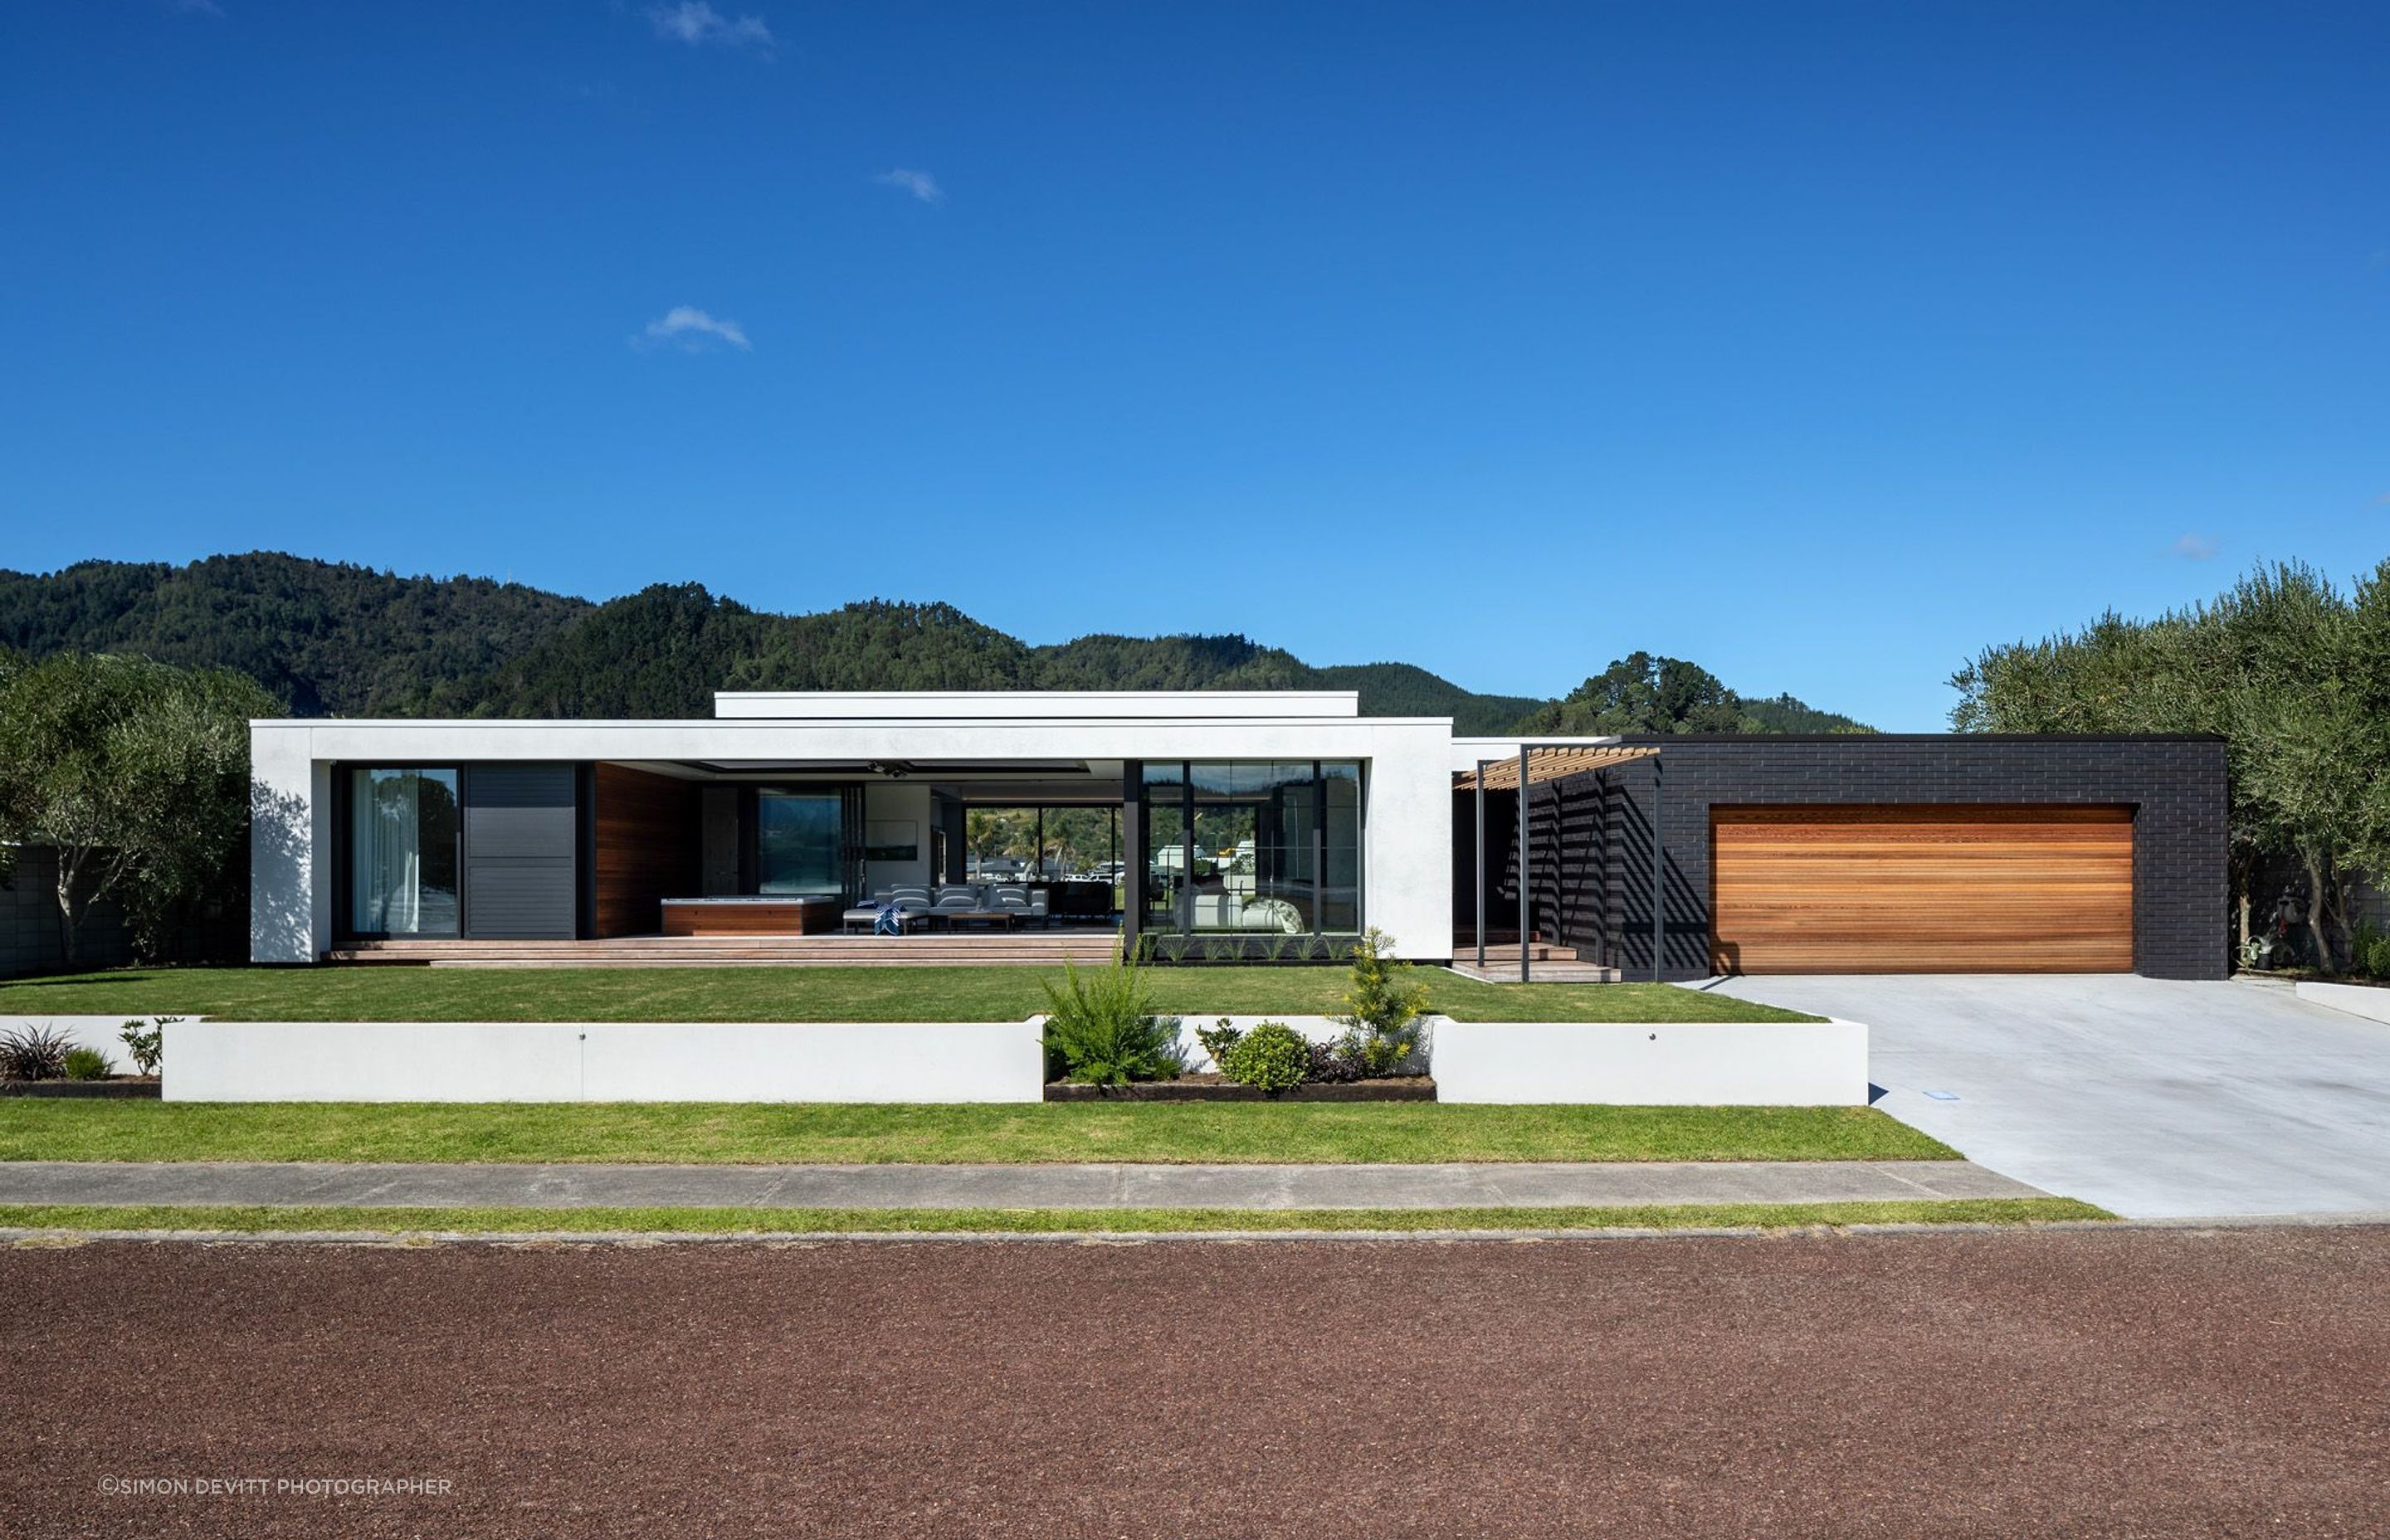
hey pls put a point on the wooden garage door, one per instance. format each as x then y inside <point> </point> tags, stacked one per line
<point>1923,890</point>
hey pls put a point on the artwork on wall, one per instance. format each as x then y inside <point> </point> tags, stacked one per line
<point>891,840</point>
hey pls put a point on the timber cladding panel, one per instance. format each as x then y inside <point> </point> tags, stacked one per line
<point>1922,888</point>
<point>645,836</point>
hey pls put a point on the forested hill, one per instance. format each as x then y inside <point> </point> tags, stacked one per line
<point>333,639</point>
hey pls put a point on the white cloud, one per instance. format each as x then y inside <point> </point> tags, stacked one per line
<point>687,327</point>
<point>2196,547</point>
<point>921,184</point>
<point>697,23</point>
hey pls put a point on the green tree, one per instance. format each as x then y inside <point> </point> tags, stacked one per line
<point>1642,695</point>
<point>2293,675</point>
<point>136,772</point>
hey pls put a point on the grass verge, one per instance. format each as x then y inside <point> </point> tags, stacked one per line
<point>755,1134</point>
<point>760,1221</point>
<point>959,993</point>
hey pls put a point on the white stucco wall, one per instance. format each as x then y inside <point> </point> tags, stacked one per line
<point>943,1062</point>
<point>1408,832</point>
<point>1654,1064</point>
<point>2366,1000</point>
<point>1042,705</point>
<point>289,844</point>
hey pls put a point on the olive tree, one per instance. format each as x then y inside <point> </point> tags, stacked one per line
<point>2293,674</point>
<point>136,773</point>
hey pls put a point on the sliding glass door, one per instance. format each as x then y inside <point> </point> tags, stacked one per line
<point>800,839</point>
<point>1253,846</point>
<point>402,828</point>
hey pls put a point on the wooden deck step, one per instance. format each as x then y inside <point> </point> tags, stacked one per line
<point>1039,948</point>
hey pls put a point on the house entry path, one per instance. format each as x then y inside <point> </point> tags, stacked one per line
<point>1488,1184</point>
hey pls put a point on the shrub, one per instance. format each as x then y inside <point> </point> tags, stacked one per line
<point>1218,1040</point>
<point>2369,951</point>
<point>1273,1056</point>
<point>88,1064</point>
<point>1100,1028</point>
<point>32,1053</point>
<point>146,1042</point>
<point>1385,1002</point>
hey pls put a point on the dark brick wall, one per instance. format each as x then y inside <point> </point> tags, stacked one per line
<point>30,930</point>
<point>1592,845</point>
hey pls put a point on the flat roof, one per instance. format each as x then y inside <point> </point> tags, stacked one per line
<point>982,705</point>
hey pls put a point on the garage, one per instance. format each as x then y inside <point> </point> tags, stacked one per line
<point>1922,889</point>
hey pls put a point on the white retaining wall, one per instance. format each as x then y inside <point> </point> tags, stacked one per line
<point>604,1061</point>
<point>1684,1063</point>
<point>2365,1000</point>
<point>1701,1063</point>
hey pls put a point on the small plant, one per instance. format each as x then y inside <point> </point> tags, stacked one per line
<point>1173,948</point>
<point>1220,949</point>
<point>1218,1040</point>
<point>1274,944</point>
<point>32,1053</point>
<point>147,1042</point>
<point>88,1064</point>
<point>1273,1057</point>
<point>1336,1063</point>
<point>2254,951</point>
<point>1386,1000</point>
<point>1100,1028</point>
<point>2369,951</point>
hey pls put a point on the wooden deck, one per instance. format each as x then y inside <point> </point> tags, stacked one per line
<point>1549,963</point>
<point>1033,948</point>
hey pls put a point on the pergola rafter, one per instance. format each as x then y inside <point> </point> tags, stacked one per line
<point>1547,765</point>
<point>1533,766</point>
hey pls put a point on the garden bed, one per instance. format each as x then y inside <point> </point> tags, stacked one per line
<point>1213,1087</point>
<point>114,1089</point>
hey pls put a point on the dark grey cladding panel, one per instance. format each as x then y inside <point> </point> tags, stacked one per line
<point>518,812</point>
<point>522,852</point>
<point>520,902</point>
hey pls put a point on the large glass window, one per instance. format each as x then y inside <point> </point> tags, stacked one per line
<point>1253,846</point>
<point>1168,865</point>
<point>797,842</point>
<point>403,828</point>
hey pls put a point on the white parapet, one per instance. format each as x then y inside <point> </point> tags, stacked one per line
<point>938,1062</point>
<point>1654,1064</point>
<point>2366,1000</point>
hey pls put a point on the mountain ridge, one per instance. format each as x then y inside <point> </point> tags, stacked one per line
<point>336,638</point>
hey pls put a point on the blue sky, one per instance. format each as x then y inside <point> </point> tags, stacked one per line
<point>1821,344</point>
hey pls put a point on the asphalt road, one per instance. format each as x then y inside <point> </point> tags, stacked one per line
<point>2031,1383</point>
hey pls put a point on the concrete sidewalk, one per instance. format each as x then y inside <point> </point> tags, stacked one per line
<point>1523,1184</point>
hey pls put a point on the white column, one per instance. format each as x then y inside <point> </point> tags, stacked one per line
<point>290,845</point>
<point>1406,883</point>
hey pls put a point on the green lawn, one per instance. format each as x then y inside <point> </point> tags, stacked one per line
<point>988,993</point>
<point>771,1222</point>
<point>1325,1133</point>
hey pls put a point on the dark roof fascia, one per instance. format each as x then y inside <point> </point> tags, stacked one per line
<point>1755,739</point>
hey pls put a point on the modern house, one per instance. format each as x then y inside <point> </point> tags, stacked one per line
<point>1240,823</point>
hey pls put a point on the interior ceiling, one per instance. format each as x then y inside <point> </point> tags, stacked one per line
<point>909,769</point>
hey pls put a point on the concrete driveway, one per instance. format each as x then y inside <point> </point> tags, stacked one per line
<point>2154,1098</point>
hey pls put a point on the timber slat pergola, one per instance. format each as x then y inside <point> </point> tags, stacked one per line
<point>1551,761</point>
